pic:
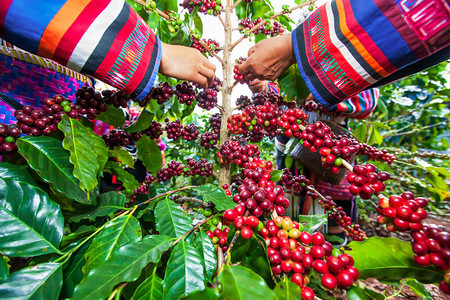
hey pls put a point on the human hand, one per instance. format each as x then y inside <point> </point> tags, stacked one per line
<point>258,86</point>
<point>186,64</point>
<point>269,58</point>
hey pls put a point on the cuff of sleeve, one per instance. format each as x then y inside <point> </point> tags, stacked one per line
<point>151,74</point>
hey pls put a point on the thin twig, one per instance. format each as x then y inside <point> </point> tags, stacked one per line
<point>235,4</point>
<point>193,228</point>
<point>193,200</point>
<point>205,46</point>
<point>159,12</point>
<point>220,107</point>
<point>416,129</point>
<point>165,194</point>
<point>221,21</point>
<point>230,88</point>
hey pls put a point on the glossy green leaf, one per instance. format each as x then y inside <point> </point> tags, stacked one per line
<point>312,223</point>
<point>72,270</point>
<point>287,290</point>
<point>212,193</point>
<point>150,289</point>
<point>113,116</point>
<point>240,283</point>
<point>288,162</point>
<point>125,265</point>
<point>100,149</point>
<point>198,24</point>
<point>42,281</point>
<point>241,10</point>
<point>389,260</point>
<point>207,294</point>
<point>275,175</point>
<point>374,136</point>
<point>30,223</point>
<point>123,156</point>
<point>418,289</point>
<point>129,181</point>
<point>184,272</point>
<point>47,156</point>
<point>78,141</point>
<point>150,154</point>
<point>107,203</point>
<point>117,233</point>
<point>153,20</point>
<point>256,259</point>
<point>258,9</point>
<point>73,237</point>
<point>4,269</point>
<point>292,84</point>
<point>205,248</point>
<point>171,220</point>
<point>143,122</point>
<point>357,293</point>
<point>16,172</point>
<point>361,132</point>
<point>181,38</point>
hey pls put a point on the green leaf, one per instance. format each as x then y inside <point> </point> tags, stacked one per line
<point>123,156</point>
<point>113,116</point>
<point>258,9</point>
<point>181,38</point>
<point>312,223</point>
<point>171,220</point>
<point>256,259</point>
<point>361,132</point>
<point>287,290</point>
<point>150,289</point>
<point>101,150</point>
<point>288,161</point>
<point>205,248</point>
<point>436,181</point>
<point>153,20</point>
<point>82,154</point>
<point>275,175</point>
<point>241,10</point>
<point>286,21</point>
<point>150,154</point>
<point>42,281</point>
<point>212,193</point>
<point>207,294</point>
<point>16,172</point>
<point>357,293</point>
<point>117,233</point>
<point>72,270</point>
<point>4,269</point>
<point>374,136</point>
<point>241,283</point>
<point>129,181</point>
<point>126,265</point>
<point>389,260</point>
<point>81,232</point>
<point>30,223</point>
<point>107,203</point>
<point>198,24</point>
<point>418,289</point>
<point>46,156</point>
<point>292,84</point>
<point>143,122</point>
<point>184,272</point>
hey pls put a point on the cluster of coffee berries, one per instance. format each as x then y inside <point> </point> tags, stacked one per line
<point>150,5</point>
<point>190,132</point>
<point>201,167</point>
<point>209,140</point>
<point>143,189</point>
<point>246,224</point>
<point>116,98</point>
<point>161,93</point>
<point>174,22</point>
<point>374,153</point>
<point>207,99</point>
<point>219,237</point>
<point>210,43</point>
<point>337,214</point>
<point>185,93</point>
<point>154,131</point>
<point>270,28</point>
<point>291,121</point>
<point>237,75</point>
<point>174,168</point>
<point>89,102</point>
<point>217,84</point>
<point>173,129</point>
<point>8,135</point>
<point>272,97</point>
<point>215,121</point>
<point>365,181</point>
<point>243,101</point>
<point>232,152</point>
<point>293,183</point>
<point>403,212</point>
<point>120,138</point>
<point>311,105</point>
<point>210,7</point>
<point>36,121</point>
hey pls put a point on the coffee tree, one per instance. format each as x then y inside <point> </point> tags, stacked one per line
<point>211,222</point>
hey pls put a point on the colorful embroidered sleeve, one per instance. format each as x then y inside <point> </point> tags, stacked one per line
<point>103,38</point>
<point>347,46</point>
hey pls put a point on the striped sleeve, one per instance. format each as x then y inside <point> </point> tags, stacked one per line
<point>348,46</point>
<point>102,38</point>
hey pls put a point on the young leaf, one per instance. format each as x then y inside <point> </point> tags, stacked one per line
<point>4,269</point>
<point>113,116</point>
<point>125,265</point>
<point>129,182</point>
<point>107,203</point>
<point>240,283</point>
<point>123,156</point>
<point>207,253</point>
<point>150,289</point>
<point>42,281</point>
<point>150,154</point>
<point>143,122</point>
<point>46,156</point>
<point>30,223</point>
<point>312,223</point>
<point>79,142</point>
<point>212,193</point>
<point>287,290</point>
<point>389,260</point>
<point>275,175</point>
<point>118,232</point>
<point>16,172</point>
<point>184,272</point>
<point>171,220</point>
<point>418,289</point>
